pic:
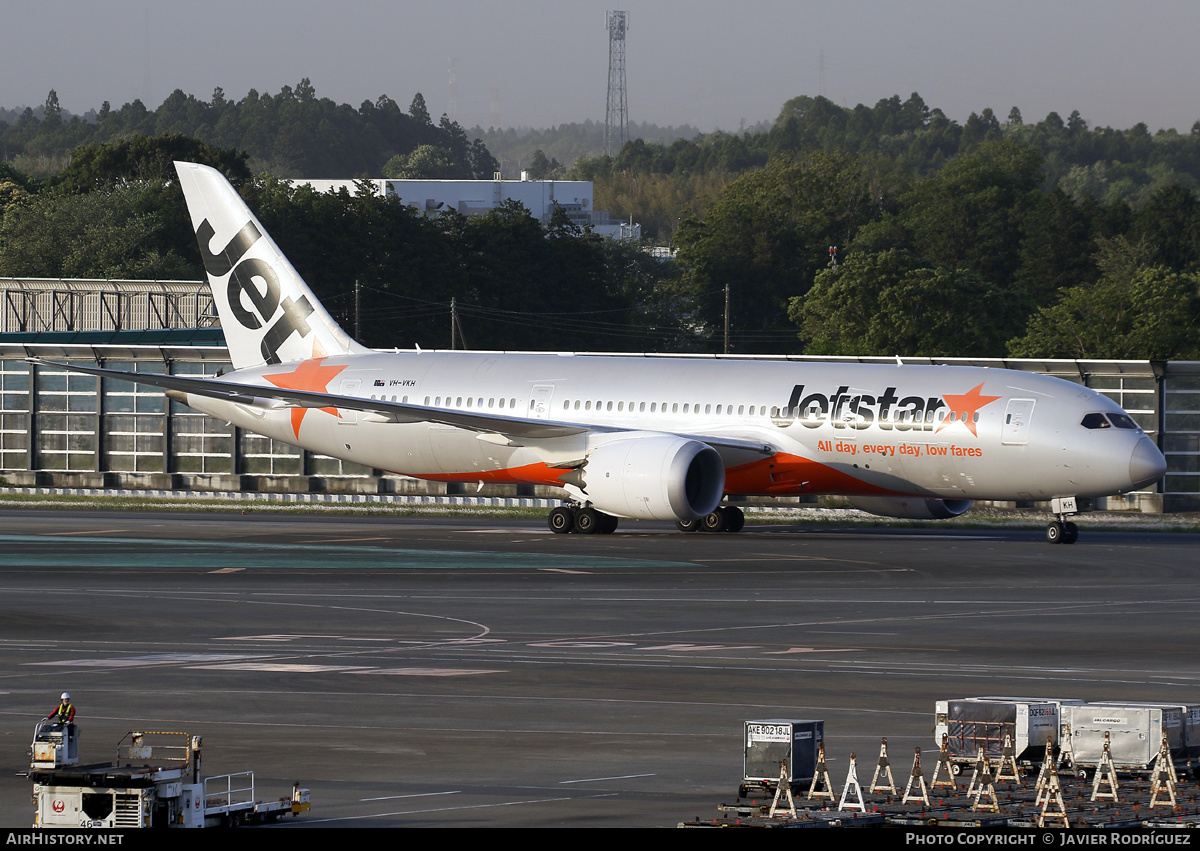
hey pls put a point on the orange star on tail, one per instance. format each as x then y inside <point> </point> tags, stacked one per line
<point>964,407</point>
<point>311,376</point>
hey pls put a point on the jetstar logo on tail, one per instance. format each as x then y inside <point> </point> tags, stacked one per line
<point>244,277</point>
<point>854,409</point>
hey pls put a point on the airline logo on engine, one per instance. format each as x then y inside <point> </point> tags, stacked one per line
<point>854,409</point>
<point>245,275</point>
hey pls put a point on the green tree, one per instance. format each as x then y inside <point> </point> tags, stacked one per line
<point>767,237</point>
<point>1134,310</point>
<point>418,110</point>
<point>426,162</point>
<point>887,303</point>
<point>969,215</point>
<point>110,233</point>
<point>52,110</point>
<point>145,159</point>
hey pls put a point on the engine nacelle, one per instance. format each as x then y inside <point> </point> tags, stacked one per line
<point>653,477</point>
<point>911,508</point>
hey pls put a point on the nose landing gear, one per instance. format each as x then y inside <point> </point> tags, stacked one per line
<point>1062,530</point>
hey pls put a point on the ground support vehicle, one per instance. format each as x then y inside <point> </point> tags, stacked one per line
<point>154,782</point>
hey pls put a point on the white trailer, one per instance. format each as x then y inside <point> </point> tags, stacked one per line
<point>1134,732</point>
<point>973,723</point>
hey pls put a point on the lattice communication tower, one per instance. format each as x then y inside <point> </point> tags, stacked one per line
<point>616,116</point>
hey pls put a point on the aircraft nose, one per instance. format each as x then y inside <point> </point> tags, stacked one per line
<point>1147,465</point>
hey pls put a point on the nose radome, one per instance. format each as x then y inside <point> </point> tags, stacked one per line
<point>1146,465</point>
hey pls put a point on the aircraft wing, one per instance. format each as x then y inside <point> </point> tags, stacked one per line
<point>517,429</point>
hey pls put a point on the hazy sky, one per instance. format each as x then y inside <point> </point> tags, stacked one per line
<point>706,63</point>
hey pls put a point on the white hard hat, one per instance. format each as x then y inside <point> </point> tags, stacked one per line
<point>66,696</point>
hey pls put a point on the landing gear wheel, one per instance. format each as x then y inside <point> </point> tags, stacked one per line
<point>734,518</point>
<point>586,521</point>
<point>1054,532</point>
<point>688,525</point>
<point>1070,533</point>
<point>606,524</point>
<point>561,520</point>
<point>714,522</point>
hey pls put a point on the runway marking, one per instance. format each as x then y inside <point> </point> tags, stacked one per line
<point>425,672</point>
<point>280,668</point>
<point>228,570</point>
<point>700,647</point>
<point>88,532</point>
<point>266,637</point>
<point>344,540</point>
<point>464,807</point>
<point>565,570</point>
<point>577,644</point>
<point>206,554</point>
<point>140,661</point>
<point>811,650</point>
<point>341,637</point>
<point>503,532</point>
<point>602,779</point>
<point>415,795</point>
<point>787,558</point>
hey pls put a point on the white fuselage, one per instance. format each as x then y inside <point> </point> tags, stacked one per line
<point>873,430</point>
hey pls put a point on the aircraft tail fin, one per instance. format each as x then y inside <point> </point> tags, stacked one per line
<point>268,314</point>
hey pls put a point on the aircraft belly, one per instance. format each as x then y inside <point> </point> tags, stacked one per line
<point>455,450</point>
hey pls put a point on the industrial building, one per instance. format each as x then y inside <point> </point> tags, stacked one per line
<point>476,197</point>
<point>63,429</point>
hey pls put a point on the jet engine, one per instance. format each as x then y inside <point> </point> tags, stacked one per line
<point>652,477</point>
<point>911,508</point>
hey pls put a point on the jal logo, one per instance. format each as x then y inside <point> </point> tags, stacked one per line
<point>253,289</point>
<point>58,806</point>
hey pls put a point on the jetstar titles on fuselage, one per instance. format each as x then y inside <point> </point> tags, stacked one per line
<point>854,409</point>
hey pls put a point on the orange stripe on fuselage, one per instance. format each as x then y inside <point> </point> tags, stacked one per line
<point>780,475</point>
<point>528,474</point>
<point>784,474</point>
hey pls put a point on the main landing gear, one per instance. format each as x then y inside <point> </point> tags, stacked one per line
<point>583,520</point>
<point>726,518</point>
<point>1062,530</point>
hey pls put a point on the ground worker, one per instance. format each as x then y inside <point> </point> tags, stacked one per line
<point>64,713</point>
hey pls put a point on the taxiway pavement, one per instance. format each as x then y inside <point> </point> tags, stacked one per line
<point>414,671</point>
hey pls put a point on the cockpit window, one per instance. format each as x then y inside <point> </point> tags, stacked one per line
<point>1108,421</point>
